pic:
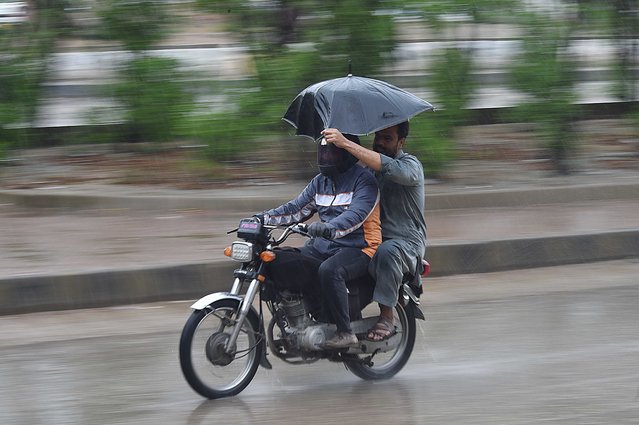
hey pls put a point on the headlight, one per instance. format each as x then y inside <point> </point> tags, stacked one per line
<point>242,251</point>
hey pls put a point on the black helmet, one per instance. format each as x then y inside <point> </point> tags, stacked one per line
<point>332,160</point>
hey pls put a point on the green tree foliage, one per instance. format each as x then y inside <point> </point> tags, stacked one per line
<point>255,113</point>
<point>154,98</point>
<point>24,49</point>
<point>295,44</point>
<point>350,30</point>
<point>451,80</point>
<point>20,74</point>
<point>625,25</point>
<point>138,25</point>
<point>545,72</point>
<point>428,140</point>
<point>439,13</point>
<point>620,20</point>
<point>450,77</point>
<point>152,89</point>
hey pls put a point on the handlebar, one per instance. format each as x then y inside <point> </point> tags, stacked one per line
<point>299,228</point>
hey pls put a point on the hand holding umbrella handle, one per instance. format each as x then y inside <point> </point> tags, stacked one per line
<point>334,136</point>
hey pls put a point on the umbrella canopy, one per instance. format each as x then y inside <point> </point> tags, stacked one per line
<point>353,105</point>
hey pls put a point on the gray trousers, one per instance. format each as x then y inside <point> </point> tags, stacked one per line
<point>393,258</point>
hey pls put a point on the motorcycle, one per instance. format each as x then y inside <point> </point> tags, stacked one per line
<point>224,341</point>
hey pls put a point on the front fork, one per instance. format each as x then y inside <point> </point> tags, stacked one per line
<point>245,307</point>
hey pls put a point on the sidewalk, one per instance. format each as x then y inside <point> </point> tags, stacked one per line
<point>89,245</point>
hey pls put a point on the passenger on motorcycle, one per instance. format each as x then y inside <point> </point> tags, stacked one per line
<point>401,182</point>
<point>346,197</point>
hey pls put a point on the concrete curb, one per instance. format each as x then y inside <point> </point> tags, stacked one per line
<point>114,287</point>
<point>466,198</point>
<point>191,281</point>
<point>511,254</point>
<point>488,198</point>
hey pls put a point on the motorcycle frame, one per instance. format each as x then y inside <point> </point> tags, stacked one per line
<point>407,296</point>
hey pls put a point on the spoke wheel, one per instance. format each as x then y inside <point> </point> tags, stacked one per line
<point>207,367</point>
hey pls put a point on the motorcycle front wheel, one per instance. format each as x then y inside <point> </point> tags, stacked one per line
<point>207,367</point>
<point>386,365</point>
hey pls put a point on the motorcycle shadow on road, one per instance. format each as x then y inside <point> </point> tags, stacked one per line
<point>211,411</point>
<point>386,400</point>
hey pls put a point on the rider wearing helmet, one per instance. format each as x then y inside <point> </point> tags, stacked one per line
<point>345,195</point>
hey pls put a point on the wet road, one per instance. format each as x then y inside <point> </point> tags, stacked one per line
<point>554,345</point>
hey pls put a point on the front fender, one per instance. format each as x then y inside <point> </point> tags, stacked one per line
<point>209,299</point>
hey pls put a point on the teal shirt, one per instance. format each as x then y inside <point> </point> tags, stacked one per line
<point>401,185</point>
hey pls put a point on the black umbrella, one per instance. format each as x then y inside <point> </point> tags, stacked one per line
<point>353,105</point>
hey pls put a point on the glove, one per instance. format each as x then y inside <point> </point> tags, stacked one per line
<point>260,217</point>
<point>321,230</point>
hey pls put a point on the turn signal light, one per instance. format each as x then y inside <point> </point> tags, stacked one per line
<point>228,251</point>
<point>267,256</point>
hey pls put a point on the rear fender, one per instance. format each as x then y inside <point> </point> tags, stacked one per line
<point>409,294</point>
<point>412,301</point>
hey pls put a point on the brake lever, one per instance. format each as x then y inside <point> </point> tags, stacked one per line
<point>301,229</point>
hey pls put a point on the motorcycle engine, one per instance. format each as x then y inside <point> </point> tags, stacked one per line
<point>312,338</point>
<point>295,311</point>
<point>302,333</point>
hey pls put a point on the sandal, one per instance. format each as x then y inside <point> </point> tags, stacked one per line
<point>382,330</point>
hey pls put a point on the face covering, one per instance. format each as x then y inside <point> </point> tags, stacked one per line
<point>332,160</point>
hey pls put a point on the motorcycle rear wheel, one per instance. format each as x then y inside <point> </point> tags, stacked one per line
<point>208,369</point>
<point>387,365</point>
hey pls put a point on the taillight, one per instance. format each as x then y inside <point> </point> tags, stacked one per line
<point>426,267</point>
